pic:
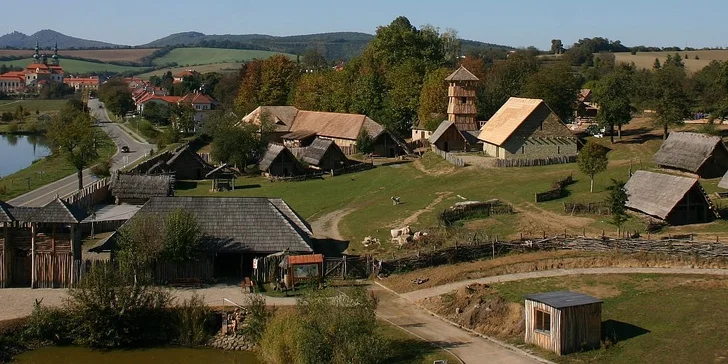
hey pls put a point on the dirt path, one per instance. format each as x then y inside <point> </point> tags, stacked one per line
<point>461,343</point>
<point>413,218</point>
<point>445,288</point>
<point>327,226</point>
<point>418,164</point>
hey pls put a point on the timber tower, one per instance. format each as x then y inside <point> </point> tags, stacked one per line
<point>461,99</point>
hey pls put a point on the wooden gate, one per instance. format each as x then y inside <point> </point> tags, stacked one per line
<point>347,267</point>
<point>21,268</point>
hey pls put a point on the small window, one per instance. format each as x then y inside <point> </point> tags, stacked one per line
<point>523,149</point>
<point>463,100</point>
<point>558,149</point>
<point>543,321</point>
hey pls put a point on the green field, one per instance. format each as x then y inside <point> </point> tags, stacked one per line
<point>655,318</point>
<point>32,105</point>
<point>73,66</point>
<point>198,56</point>
<point>647,59</point>
<point>205,68</point>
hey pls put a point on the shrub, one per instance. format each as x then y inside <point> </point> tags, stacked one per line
<point>194,322</point>
<point>103,169</point>
<point>49,324</point>
<point>258,318</point>
<point>13,127</point>
<point>278,343</point>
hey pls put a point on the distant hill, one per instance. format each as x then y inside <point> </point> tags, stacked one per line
<point>46,38</point>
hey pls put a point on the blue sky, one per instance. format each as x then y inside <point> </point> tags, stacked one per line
<point>697,23</point>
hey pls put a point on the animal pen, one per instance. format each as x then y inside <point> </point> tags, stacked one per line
<point>563,322</point>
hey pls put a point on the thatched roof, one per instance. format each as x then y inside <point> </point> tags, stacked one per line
<point>656,194</point>
<point>461,74</point>
<point>238,224</point>
<point>687,151</point>
<point>507,119</point>
<point>724,181</point>
<point>314,153</point>
<point>134,186</point>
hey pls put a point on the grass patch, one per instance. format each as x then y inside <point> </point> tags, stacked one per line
<point>75,66</point>
<point>103,55</point>
<point>32,105</point>
<point>198,55</point>
<point>47,170</point>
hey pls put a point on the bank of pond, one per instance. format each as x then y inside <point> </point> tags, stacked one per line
<point>163,355</point>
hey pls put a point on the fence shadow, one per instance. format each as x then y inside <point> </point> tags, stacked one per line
<point>618,331</point>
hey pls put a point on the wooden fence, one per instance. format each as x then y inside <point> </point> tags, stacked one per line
<point>534,162</point>
<point>358,167</point>
<point>348,267</point>
<point>557,191</point>
<point>451,158</point>
<point>161,272</point>
<point>90,195</point>
<point>477,249</point>
<point>480,209</point>
<point>592,208</point>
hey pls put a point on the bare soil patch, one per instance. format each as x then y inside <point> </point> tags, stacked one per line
<point>433,171</point>
<point>327,226</point>
<point>413,218</point>
<point>535,221</point>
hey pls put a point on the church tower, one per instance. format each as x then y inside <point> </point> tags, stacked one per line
<point>461,99</point>
<point>56,61</point>
<point>36,56</point>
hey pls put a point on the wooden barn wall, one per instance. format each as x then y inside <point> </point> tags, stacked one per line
<point>3,255</point>
<point>53,260</point>
<point>581,328</point>
<point>202,269</point>
<point>548,341</point>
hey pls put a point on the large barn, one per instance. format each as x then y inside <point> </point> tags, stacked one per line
<point>297,127</point>
<point>704,155</point>
<point>676,200</point>
<point>527,129</point>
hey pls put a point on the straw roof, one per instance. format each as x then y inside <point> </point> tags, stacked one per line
<point>238,224</point>
<point>272,153</point>
<point>687,151</point>
<point>656,194</point>
<point>461,74</point>
<point>135,186</point>
<point>507,119</point>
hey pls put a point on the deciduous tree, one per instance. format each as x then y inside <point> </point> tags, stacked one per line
<point>73,136</point>
<point>612,94</point>
<point>558,86</point>
<point>182,236</point>
<point>672,103</point>
<point>592,160</point>
<point>617,200</point>
<point>433,97</point>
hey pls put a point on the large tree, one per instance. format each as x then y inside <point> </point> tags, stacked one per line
<point>278,77</point>
<point>612,94</point>
<point>672,103</point>
<point>73,136</point>
<point>237,145</point>
<point>116,96</point>
<point>251,81</point>
<point>558,86</point>
<point>506,78</point>
<point>182,236</point>
<point>433,99</point>
<point>617,199</point>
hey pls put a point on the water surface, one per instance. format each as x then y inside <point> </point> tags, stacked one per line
<point>19,151</point>
<point>80,355</point>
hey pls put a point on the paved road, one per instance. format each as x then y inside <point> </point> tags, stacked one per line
<point>467,347</point>
<point>68,185</point>
<point>446,288</point>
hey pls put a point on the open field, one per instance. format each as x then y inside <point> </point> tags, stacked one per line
<point>103,55</point>
<point>73,66</point>
<point>205,68</point>
<point>429,185</point>
<point>32,105</point>
<point>647,59</point>
<point>650,318</point>
<point>194,56</point>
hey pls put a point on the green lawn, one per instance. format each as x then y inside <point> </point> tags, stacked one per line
<point>655,318</point>
<point>32,105</point>
<point>75,66</point>
<point>46,170</point>
<point>199,56</point>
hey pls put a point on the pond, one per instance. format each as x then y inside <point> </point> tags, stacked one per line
<point>19,151</point>
<point>80,355</point>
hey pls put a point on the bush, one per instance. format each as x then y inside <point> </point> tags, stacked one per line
<point>103,169</point>
<point>49,324</point>
<point>13,127</point>
<point>258,318</point>
<point>278,344</point>
<point>194,322</point>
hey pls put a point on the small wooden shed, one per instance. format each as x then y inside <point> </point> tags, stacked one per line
<point>223,178</point>
<point>304,268</point>
<point>563,322</point>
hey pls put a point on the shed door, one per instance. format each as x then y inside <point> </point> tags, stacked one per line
<point>21,268</point>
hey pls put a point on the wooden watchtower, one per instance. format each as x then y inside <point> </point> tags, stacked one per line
<point>461,99</point>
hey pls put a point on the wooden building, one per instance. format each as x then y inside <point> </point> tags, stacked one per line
<point>235,230</point>
<point>137,189</point>
<point>322,154</point>
<point>449,138</point>
<point>223,178</point>
<point>461,98</point>
<point>280,162</point>
<point>701,154</point>
<point>527,129</point>
<point>303,268</point>
<point>183,163</point>
<point>38,245</point>
<point>299,126</point>
<point>563,322</point>
<point>676,200</point>
<point>585,106</point>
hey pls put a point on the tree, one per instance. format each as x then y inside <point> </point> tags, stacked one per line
<point>157,113</point>
<point>182,236</point>
<point>557,86</point>
<point>72,135</point>
<point>656,65</point>
<point>248,96</point>
<point>557,47</point>
<point>322,91</point>
<point>612,93</point>
<point>278,77</point>
<point>592,160</point>
<point>313,60</point>
<point>433,97</point>
<point>672,103</point>
<point>116,96</point>
<point>182,117</point>
<point>504,79</point>
<point>139,244</point>
<point>236,145</point>
<point>616,200</point>
<point>451,46</point>
<point>364,142</point>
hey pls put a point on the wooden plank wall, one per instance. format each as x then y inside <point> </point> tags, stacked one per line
<point>202,269</point>
<point>581,328</point>
<point>3,255</point>
<point>548,341</point>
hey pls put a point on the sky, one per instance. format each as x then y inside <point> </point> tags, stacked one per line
<point>695,23</point>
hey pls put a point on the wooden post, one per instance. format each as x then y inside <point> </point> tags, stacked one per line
<point>32,255</point>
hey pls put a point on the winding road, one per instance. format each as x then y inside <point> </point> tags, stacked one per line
<point>137,150</point>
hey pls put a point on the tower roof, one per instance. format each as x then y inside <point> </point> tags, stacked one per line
<point>462,74</point>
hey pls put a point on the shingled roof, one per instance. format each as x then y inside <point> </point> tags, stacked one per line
<point>317,150</point>
<point>563,299</point>
<point>239,224</point>
<point>270,155</point>
<point>507,119</point>
<point>5,215</point>
<point>135,186</point>
<point>461,74</point>
<point>58,211</point>
<point>656,194</point>
<point>687,151</point>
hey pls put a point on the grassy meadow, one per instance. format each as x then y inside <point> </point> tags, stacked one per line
<point>204,68</point>
<point>71,66</point>
<point>195,56</point>
<point>361,201</point>
<point>104,55</point>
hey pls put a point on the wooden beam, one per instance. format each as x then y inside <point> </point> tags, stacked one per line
<point>32,255</point>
